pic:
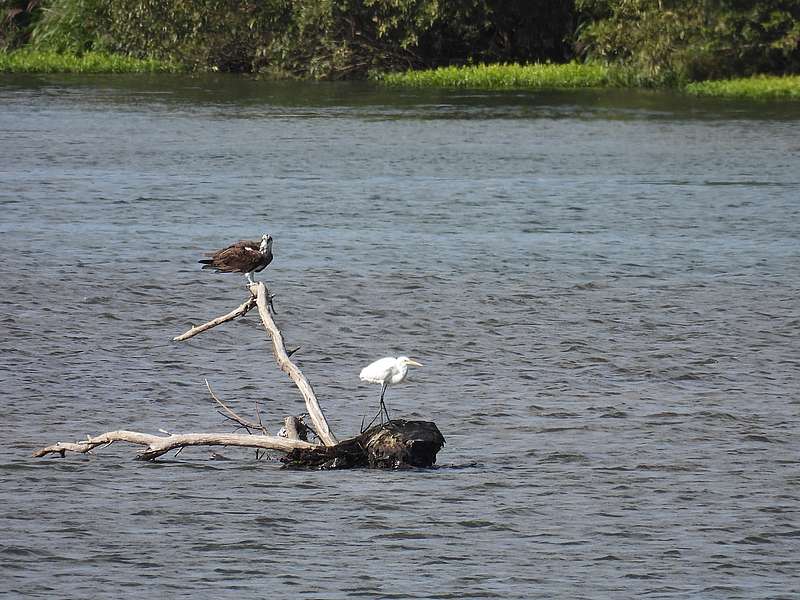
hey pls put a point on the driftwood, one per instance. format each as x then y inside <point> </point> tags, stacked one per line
<point>157,445</point>
<point>396,444</point>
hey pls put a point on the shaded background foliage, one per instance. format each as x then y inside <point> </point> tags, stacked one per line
<point>654,41</point>
<point>663,41</point>
<point>17,18</point>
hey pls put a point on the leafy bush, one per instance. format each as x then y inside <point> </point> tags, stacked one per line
<point>309,38</point>
<point>69,26</point>
<point>651,42</point>
<point>671,42</point>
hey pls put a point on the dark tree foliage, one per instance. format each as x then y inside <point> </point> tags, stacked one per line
<point>673,41</point>
<point>17,18</point>
<point>355,36</point>
<point>224,35</point>
<point>654,41</point>
<point>312,38</point>
<point>499,31</point>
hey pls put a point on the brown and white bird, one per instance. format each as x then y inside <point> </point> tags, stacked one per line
<point>245,256</point>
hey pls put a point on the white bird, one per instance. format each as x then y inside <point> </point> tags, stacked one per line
<point>387,371</point>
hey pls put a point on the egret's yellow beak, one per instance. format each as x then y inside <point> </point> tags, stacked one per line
<point>413,362</point>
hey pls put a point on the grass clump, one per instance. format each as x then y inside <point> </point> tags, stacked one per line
<point>33,61</point>
<point>757,88</point>
<point>540,76</point>
<point>590,75</point>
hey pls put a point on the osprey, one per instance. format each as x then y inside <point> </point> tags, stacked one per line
<point>245,256</point>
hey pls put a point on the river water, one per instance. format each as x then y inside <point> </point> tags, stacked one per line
<point>602,287</point>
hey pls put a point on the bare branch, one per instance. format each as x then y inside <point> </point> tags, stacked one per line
<point>258,416</point>
<point>230,414</point>
<point>242,310</point>
<point>157,445</point>
<point>286,365</point>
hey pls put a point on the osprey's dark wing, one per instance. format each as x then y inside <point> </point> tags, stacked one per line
<point>241,257</point>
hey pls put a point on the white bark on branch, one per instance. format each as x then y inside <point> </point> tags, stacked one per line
<point>242,310</point>
<point>288,367</point>
<point>157,445</point>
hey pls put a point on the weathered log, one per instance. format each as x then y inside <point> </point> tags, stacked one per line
<point>157,445</point>
<point>394,445</point>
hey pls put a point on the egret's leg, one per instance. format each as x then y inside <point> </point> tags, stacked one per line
<point>383,405</point>
<point>375,418</point>
<point>380,410</point>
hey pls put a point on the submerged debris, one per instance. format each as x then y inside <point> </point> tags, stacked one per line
<point>394,445</point>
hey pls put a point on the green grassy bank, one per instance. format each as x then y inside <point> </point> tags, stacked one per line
<point>31,61</point>
<point>576,75</point>
<point>502,77</point>
<point>757,87</point>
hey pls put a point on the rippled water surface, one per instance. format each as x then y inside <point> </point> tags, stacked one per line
<point>603,288</point>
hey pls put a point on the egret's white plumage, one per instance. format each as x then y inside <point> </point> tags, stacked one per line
<point>387,371</point>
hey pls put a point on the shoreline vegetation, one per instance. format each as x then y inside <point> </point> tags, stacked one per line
<point>759,86</point>
<point>580,76</point>
<point>32,61</point>
<point>537,76</point>
<point>724,48</point>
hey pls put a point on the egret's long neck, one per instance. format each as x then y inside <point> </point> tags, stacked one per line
<point>402,371</point>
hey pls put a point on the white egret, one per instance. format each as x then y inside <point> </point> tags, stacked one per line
<point>387,371</point>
